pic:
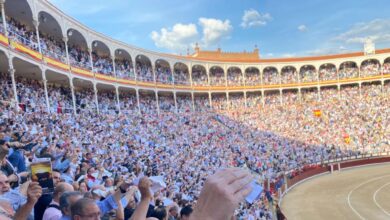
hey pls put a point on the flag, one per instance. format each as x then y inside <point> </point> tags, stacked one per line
<point>317,113</point>
<point>347,139</point>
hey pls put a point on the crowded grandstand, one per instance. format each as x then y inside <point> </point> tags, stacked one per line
<point>116,122</point>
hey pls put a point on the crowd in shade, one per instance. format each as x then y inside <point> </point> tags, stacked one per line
<point>102,64</point>
<point>184,103</point>
<point>124,69</point>
<point>144,73</point>
<point>22,34</point>
<point>164,75</point>
<point>217,77</point>
<point>199,78</point>
<point>289,75</point>
<point>78,57</point>
<point>348,70</point>
<point>370,68</point>
<point>270,76</point>
<point>308,74</point>
<point>327,72</point>
<point>181,77</point>
<point>234,77</point>
<point>6,87</point>
<point>386,68</point>
<point>252,78</point>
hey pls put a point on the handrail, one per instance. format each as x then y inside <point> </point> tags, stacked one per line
<point>21,39</point>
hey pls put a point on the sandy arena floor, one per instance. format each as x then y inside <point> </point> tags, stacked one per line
<point>358,193</point>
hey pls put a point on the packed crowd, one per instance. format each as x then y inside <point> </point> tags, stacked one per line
<point>252,77</point>
<point>166,103</point>
<point>182,77</point>
<point>327,72</point>
<point>202,103</point>
<point>97,156</point>
<point>199,78</point>
<point>128,103</point>
<point>289,75</point>
<point>234,77</point>
<point>52,47</point>
<point>6,87</point>
<point>78,57</point>
<point>102,64</point>
<point>348,70</point>
<point>308,74</point>
<point>164,75</point>
<point>219,102</point>
<point>217,77</point>
<point>108,103</point>
<point>184,103</point>
<point>85,100</point>
<point>386,67</point>
<point>144,73</point>
<point>184,149</point>
<point>22,34</point>
<point>253,100</point>
<point>124,69</point>
<point>31,95</point>
<point>236,101</point>
<point>270,76</point>
<point>370,68</point>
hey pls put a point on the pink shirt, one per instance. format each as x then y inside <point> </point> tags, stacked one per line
<point>52,213</point>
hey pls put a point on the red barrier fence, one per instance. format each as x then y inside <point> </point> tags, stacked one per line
<point>306,174</point>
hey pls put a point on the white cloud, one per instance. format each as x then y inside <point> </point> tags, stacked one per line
<point>178,38</point>
<point>289,55</point>
<point>183,36</point>
<point>214,30</point>
<point>378,30</point>
<point>253,18</point>
<point>326,50</point>
<point>302,28</point>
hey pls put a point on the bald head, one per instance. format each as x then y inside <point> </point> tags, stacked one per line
<point>85,208</point>
<point>60,189</point>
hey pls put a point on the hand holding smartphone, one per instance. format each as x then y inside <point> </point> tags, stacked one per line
<point>42,172</point>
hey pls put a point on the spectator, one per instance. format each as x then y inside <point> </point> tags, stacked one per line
<point>53,212</point>
<point>185,213</point>
<point>67,200</point>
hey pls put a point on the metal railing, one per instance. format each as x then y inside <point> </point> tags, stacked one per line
<point>14,36</point>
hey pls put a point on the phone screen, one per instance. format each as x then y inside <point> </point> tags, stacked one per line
<point>41,172</point>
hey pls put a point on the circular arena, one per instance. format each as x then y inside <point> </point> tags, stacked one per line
<point>357,193</point>
<point>130,133</point>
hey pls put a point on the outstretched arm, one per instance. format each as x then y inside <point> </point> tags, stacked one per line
<point>34,192</point>
<point>142,208</point>
<point>221,194</point>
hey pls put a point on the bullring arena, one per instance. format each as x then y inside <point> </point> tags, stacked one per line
<point>361,192</point>
<point>311,133</point>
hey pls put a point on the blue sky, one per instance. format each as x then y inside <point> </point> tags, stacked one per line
<point>280,28</point>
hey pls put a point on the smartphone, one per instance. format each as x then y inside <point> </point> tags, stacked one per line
<point>42,172</point>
